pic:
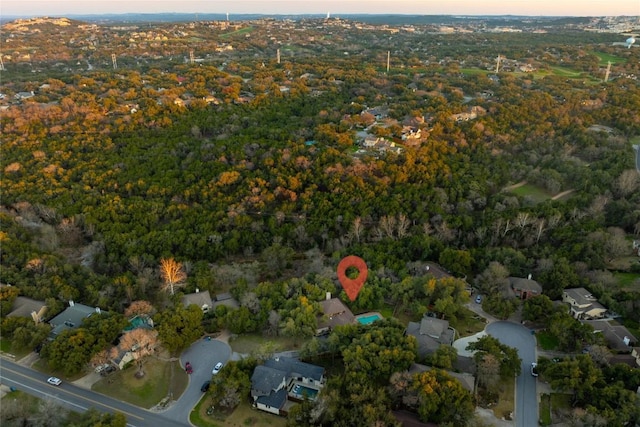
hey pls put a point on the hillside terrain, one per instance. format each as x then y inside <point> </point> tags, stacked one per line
<point>253,155</point>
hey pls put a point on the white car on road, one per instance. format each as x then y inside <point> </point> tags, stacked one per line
<point>54,381</point>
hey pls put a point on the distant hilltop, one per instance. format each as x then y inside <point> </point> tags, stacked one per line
<point>29,23</point>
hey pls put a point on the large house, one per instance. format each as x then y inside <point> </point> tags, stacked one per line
<point>282,382</point>
<point>430,333</point>
<point>583,305</point>
<point>333,313</point>
<point>71,318</point>
<point>618,337</point>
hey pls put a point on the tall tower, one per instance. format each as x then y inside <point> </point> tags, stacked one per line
<point>498,63</point>
<point>192,58</point>
<point>227,16</point>
<point>278,56</point>
<point>606,74</point>
<point>388,60</point>
<point>114,60</point>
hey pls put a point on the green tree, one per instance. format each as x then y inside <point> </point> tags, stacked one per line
<point>441,398</point>
<point>178,327</point>
<point>510,362</point>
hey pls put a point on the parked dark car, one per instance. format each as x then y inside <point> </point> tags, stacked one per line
<point>205,386</point>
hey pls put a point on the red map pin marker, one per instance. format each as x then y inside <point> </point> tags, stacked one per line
<point>352,286</point>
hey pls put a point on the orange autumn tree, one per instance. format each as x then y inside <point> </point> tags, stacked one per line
<point>172,273</point>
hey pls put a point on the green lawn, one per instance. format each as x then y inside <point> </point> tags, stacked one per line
<point>252,342</point>
<point>243,415</point>
<point>468,323</point>
<point>566,72</point>
<point>546,341</point>
<point>5,345</point>
<point>606,57</point>
<point>235,33</point>
<point>534,192</point>
<point>148,391</point>
<point>628,281</point>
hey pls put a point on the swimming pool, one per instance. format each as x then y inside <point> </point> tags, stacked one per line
<point>302,391</point>
<point>367,319</point>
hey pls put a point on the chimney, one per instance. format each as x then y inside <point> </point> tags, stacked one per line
<point>529,277</point>
<point>71,303</point>
<point>328,296</point>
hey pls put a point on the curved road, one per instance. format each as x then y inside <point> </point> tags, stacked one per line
<point>526,397</point>
<point>203,355</point>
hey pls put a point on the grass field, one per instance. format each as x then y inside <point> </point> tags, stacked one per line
<point>238,32</point>
<point>546,341</point>
<point>251,342</point>
<point>628,281</point>
<point>606,57</point>
<point>243,415</point>
<point>536,193</point>
<point>566,72</point>
<point>505,406</point>
<point>149,390</point>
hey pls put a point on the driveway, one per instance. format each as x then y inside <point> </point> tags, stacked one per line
<point>203,355</point>
<point>526,399</point>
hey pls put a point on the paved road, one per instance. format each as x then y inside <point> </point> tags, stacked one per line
<point>76,398</point>
<point>526,398</point>
<point>203,355</point>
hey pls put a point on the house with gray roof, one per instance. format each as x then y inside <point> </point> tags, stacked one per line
<point>201,299</point>
<point>71,318</point>
<point>618,337</point>
<point>273,384</point>
<point>430,334</point>
<point>582,304</point>
<point>27,307</point>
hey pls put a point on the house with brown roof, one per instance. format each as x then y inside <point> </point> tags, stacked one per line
<point>524,288</point>
<point>201,299</point>
<point>333,313</point>
<point>582,304</point>
<point>618,337</point>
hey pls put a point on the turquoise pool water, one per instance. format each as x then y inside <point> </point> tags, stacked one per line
<point>302,391</point>
<point>366,320</point>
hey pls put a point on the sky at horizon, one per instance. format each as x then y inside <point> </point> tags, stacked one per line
<point>28,8</point>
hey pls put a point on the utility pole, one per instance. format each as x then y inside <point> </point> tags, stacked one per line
<point>498,63</point>
<point>1,64</point>
<point>278,56</point>
<point>388,60</point>
<point>114,60</point>
<point>192,58</point>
